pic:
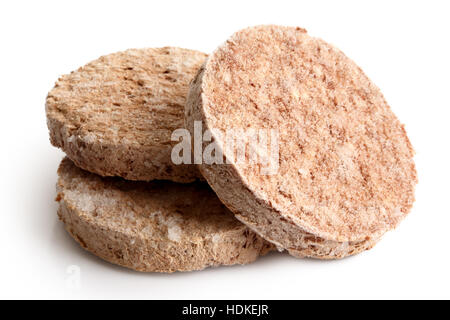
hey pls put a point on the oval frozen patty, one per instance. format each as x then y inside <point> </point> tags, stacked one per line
<point>157,226</point>
<point>115,115</point>
<point>342,165</point>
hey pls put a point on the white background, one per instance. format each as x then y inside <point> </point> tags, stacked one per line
<point>402,45</point>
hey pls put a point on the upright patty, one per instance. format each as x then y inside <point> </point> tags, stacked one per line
<point>345,170</point>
